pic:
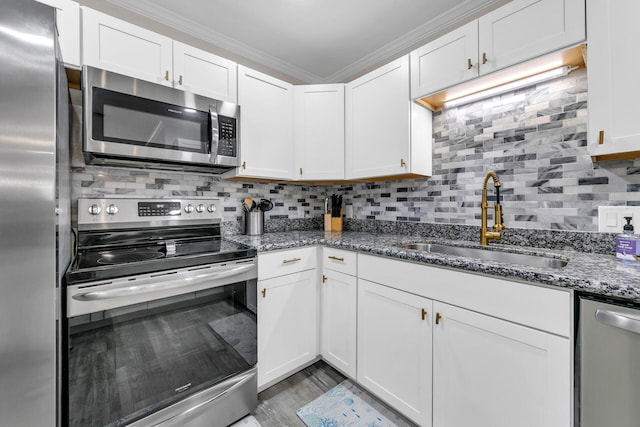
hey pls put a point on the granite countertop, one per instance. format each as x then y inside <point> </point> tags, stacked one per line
<point>595,273</point>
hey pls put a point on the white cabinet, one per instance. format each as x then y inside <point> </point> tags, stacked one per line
<point>394,348</point>
<point>319,132</point>
<point>446,61</point>
<point>493,373</point>
<point>204,73</point>
<point>266,126</point>
<point>514,33</point>
<point>525,29</point>
<point>68,22</point>
<point>115,45</point>
<point>612,77</point>
<point>287,313</point>
<point>124,48</point>
<point>386,133</point>
<point>338,297</point>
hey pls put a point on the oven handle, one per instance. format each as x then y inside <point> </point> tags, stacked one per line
<point>161,283</point>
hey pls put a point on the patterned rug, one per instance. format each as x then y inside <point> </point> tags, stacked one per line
<point>239,330</point>
<point>340,407</point>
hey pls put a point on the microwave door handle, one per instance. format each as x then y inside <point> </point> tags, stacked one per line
<point>214,132</point>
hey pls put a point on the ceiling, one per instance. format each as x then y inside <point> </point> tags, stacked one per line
<point>314,41</point>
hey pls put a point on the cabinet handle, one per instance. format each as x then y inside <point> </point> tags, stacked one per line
<point>180,80</point>
<point>300,171</point>
<point>402,163</point>
<point>324,279</point>
<point>601,137</point>
<point>264,292</point>
<point>244,165</point>
<point>287,261</point>
<point>166,75</point>
<point>336,258</point>
<point>438,317</point>
<point>424,314</point>
<point>469,64</point>
<point>484,57</point>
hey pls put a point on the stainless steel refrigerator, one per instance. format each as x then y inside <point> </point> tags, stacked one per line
<point>34,211</point>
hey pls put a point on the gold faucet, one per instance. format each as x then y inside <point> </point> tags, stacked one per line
<point>498,226</point>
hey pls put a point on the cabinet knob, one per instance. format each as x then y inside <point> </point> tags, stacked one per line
<point>180,80</point>
<point>438,317</point>
<point>469,64</point>
<point>300,171</point>
<point>601,137</point>
<point>264,292</point>
<point>324,279</point>
<point>402,163</point>
<point>166,75</point>
<point>484,57</point>
<point>244,165</point>
<point>424,314</point>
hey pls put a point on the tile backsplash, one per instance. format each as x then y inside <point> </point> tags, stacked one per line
<point>534,138</point>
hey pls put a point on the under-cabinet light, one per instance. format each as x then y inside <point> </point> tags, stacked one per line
<point>508,87</point>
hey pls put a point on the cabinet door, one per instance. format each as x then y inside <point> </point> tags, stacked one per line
<point>118,46</point>
<point>204,73</point>
<point>266,125</point>
<point>525,29</point>
<point>394,348</point>
<point>287,324</point>
<point>492,373</point>
<point>319,131</point>
<point>338,321</point>
<point>447,61</point>
<point>612,77</point>
<point>378,119</point>
<point>68,22</point>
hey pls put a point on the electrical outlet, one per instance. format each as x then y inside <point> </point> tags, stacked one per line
<point>611,218</point>
<point>349,211</point>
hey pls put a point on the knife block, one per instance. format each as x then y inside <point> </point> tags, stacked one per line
<point>327,222</point>
<point>331,223</point>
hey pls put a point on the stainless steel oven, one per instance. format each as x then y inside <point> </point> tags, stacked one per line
<point>161,317</point>
<point>129,121</point>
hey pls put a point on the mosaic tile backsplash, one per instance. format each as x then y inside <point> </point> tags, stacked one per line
<point>534,138</point>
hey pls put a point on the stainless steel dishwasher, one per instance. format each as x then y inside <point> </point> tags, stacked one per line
<point>609,363</point>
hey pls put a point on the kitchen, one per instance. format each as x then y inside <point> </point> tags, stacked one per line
<point>538,139</point>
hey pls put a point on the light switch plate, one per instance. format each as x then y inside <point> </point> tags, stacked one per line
<point>611,218</point>
<point>349,211</point>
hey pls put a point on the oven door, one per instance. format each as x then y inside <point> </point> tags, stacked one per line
<point>184,355</point>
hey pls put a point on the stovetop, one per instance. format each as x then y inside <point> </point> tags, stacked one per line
<point>146,236</point>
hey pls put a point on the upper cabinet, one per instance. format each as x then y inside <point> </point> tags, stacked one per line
<point>614,129</point>
<point>386,134</point>
<point>115,45</point>
<point>514,33</point>
<point>266,126</point>
<point>525,29</point>
<point>319,132</point>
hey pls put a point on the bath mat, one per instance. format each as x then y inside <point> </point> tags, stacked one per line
<point>239,330</point>
<point>340,407</point>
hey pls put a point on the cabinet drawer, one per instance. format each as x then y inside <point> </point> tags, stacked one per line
<point>289,261</point>
<point>339,260</point>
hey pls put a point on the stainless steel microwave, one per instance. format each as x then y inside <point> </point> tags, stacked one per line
<point>131,122</point>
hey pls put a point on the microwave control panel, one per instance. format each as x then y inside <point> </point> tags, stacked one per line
<point>227,138</point>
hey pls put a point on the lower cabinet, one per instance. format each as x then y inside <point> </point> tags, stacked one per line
<point>394,348</point>
<point>493,373</point>
<point>287,327</point>
<point>338,293</point>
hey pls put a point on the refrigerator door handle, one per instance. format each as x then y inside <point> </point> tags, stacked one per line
<point>624,321</point>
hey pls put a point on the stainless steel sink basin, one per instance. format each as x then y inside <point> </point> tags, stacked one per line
<point>531,260</point>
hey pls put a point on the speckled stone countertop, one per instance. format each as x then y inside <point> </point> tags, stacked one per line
<point>589,272</point>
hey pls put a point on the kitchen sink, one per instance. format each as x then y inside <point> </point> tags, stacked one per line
<point>531,260</point>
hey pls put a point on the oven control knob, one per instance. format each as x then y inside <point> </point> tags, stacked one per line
<point>200,208</point>
<point>212,208</point>
<point>94,209</point>
<point>188,208</point>
<point>112,209</point>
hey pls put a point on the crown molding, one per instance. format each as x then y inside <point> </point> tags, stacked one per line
<point>452,18</point>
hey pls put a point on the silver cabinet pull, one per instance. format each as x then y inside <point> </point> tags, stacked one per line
<point>336,258</point>
<point>624,321</point>
<point>287,261</point>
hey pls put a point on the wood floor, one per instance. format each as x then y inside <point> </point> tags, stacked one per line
<point>278,404</point>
